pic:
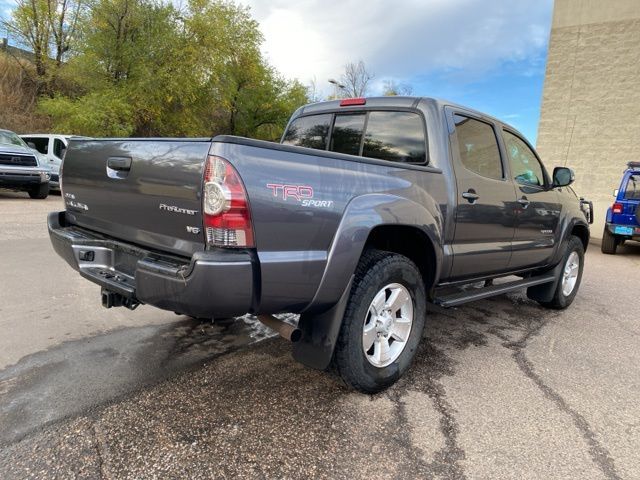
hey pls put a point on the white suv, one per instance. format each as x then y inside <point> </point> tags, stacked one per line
<point>52,147</point>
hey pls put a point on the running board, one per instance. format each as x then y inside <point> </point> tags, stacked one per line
<point>473,294</point>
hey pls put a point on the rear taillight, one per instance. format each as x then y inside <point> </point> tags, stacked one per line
<point>227,219</point>
<point>617,208</point>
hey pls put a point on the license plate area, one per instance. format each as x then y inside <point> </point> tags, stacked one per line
<point>622,230</point>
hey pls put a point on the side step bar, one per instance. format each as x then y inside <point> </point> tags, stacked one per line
<point>473,294</point>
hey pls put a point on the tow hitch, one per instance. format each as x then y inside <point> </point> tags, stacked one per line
<point>112,299</point>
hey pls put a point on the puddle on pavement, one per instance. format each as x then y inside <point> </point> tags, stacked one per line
<point>75,376</point>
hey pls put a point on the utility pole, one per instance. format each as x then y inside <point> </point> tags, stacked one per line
<point>337,87</point>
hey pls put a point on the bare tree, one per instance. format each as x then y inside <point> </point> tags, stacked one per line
<point>393,88</point>
<point>355,79</point>
<point>63,17</point>
<point>312,91</point>
<point>45,27</point>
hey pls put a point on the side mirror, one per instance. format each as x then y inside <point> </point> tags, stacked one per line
<point>563,176</point>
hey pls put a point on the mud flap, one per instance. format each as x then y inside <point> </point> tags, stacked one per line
<point>546,291</point>
<point>320,334</point>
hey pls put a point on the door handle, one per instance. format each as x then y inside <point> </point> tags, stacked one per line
<point>524,202</point>
<point>119,163</point>
<point>471,195</point>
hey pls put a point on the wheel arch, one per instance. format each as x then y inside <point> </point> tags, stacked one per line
<point>369,220</point>
<point>581,231</point>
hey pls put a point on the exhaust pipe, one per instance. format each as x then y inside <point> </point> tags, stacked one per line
<point>284,329</point>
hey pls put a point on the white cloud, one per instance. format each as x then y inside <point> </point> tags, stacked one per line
<point>400,38</point>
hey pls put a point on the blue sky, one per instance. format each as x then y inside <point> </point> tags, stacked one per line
<point>487,54</point>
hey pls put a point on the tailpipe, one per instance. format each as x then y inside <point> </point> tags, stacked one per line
<point>284,329</point>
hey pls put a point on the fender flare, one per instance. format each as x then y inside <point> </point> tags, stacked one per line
<point>320,321</point>
<point>545,292</point>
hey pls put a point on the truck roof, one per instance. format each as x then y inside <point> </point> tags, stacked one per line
<point>393,101</point>
<point>390,101</point>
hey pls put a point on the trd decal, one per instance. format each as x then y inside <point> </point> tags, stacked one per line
<point>299,193</point>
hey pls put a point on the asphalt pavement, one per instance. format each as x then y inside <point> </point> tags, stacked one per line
<point>500,388</point>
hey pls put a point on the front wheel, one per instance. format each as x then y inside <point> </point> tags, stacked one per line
<point>570,276</point>
<point>40,191</point>
<point>383,322</point>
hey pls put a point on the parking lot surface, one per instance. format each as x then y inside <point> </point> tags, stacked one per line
<point>500,389</point>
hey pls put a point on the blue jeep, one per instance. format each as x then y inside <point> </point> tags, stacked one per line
<point>623,217</point>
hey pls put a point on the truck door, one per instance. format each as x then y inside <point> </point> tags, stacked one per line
<point>538,207</point>
<point>485,217</point>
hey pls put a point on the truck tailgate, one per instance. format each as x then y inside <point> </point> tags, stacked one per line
<point>145,191</point>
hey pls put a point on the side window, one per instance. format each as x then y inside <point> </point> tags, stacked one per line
<point>311,131</point>
<point>58,147</point>
<point>525,167</point>
<point>395,136</point>
<point>632,190</point>
<point>347,134</point>
<point>478,147</point>
<point>42,144</point>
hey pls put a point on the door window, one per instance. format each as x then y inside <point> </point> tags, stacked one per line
<point>525,167</point>
<point>478,147</point>
<point>58,147</point>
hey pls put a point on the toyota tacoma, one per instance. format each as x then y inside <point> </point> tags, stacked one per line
<point>365,212</point>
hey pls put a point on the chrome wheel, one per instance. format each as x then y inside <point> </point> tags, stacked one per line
<point>570,274</point>
<point>387,325</point>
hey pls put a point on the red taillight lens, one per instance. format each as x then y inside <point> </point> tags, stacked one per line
<point>617,208</point>
<point>227,219</point>
<point>353,101</point>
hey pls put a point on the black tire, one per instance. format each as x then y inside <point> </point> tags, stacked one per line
<point>39,192</point>
<point>610,242</point>
<point>560,301</point>
<point>376,270</point>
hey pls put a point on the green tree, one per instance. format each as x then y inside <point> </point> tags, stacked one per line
<point>197,71</point>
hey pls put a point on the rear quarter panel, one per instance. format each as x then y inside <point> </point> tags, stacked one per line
<point>294,237</point>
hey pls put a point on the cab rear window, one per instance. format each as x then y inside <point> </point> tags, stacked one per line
<point>386,135</point>
<point>311,132</point>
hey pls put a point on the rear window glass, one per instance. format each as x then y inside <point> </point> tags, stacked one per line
<point>347,134</point>
<point>632,190</point>
<point>395,136</point>
<point>388,135</point>
<point>311,132</point>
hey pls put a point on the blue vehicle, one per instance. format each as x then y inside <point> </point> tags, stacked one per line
<point>623,217</point>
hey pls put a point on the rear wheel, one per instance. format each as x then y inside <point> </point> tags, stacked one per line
<point>40,191</point>
<point>383,322</point>
<point>570,276</point>
<point>610,242</point>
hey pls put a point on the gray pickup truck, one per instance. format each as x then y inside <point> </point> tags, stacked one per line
<point>366,211</point>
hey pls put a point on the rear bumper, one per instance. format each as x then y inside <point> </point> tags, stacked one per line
<point>623,230</point>
<point>210,284</point>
